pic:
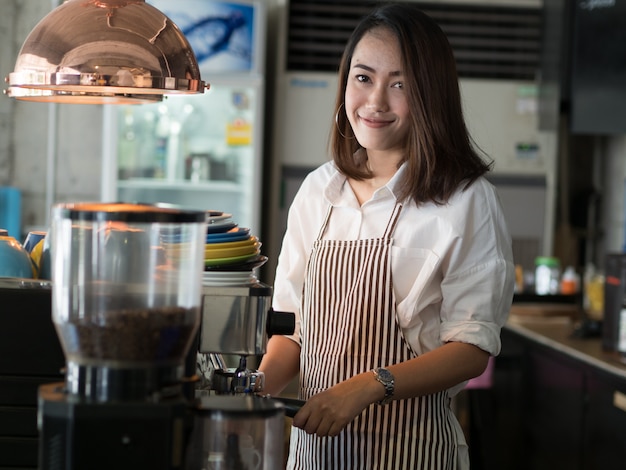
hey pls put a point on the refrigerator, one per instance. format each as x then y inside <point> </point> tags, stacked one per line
<point>200,151</point>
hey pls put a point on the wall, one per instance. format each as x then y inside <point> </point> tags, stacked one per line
<point>7,31</point>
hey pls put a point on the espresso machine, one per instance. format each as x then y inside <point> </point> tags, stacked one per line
<point>137,328</point>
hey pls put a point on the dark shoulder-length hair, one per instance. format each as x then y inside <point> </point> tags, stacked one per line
<point>440,154</point>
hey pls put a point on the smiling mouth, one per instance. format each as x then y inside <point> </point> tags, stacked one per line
<point>376,123</point>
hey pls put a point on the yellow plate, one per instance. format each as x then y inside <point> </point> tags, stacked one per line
<point>232,252</point>
<point>218,246</point>
<point>175,249</point>
<point>216,252</point>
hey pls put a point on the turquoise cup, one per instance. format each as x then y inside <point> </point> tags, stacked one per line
<point>14,259</point>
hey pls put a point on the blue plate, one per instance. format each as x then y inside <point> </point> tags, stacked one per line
<point>220,228</point>
<point>234,235</point>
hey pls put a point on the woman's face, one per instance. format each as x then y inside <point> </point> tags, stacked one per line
<point>376,102</point>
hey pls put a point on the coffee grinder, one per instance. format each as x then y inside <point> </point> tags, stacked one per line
<point>127,304</point>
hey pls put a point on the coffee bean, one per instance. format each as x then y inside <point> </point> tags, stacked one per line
<point>130,335</point>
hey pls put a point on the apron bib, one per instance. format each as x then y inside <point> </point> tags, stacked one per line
<point>348,327</point>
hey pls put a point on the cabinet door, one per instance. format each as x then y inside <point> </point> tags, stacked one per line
<point>556,409</point>
<point>29,346</point>
<point>606,421</point>
<point>503,440</point>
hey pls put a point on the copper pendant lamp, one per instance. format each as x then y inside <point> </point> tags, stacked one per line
<point>104,51</point>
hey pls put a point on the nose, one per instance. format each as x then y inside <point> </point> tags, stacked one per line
<point>377,99</point>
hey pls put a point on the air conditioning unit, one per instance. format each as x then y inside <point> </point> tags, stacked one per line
<point>497,47</point>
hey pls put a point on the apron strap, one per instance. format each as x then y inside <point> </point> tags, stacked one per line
<point>393,220</point>
<point>325,223</point>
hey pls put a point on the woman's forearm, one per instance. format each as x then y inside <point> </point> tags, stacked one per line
<point>280,364</point>
<point>438,370</point>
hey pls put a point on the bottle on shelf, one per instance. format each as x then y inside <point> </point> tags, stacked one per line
<point>547,275</point>
<point>570,281</point>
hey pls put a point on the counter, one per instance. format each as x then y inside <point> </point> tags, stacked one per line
<point>559,334</point>
<point>557,401</point>
<point>30,356</point>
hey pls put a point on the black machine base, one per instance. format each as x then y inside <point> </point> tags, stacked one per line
<point>76,434</point>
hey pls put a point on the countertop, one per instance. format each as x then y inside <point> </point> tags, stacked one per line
<point>558,332</point>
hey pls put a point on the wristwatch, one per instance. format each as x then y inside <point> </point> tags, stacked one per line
<point>386,378</point>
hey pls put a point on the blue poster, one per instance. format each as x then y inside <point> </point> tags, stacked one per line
<point>221,34</point>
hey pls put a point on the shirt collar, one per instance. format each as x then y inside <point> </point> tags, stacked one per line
<point>338,193</point>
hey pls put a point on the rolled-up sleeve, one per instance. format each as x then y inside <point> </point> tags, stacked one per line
<point>476,305</point>
<point>477,273</point>
<point>454,272</point>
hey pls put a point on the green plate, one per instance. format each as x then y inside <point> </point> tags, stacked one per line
<point>247,265</point>
<point>225,261</point>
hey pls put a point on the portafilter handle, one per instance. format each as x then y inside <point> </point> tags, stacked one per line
<point>292,405</point>
<point>280,323</point>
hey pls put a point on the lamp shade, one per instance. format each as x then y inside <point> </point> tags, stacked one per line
<point>104,51</point>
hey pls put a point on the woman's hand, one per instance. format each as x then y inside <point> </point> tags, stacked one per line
<point>330,411</point>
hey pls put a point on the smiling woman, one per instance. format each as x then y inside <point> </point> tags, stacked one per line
<point>396,259</point>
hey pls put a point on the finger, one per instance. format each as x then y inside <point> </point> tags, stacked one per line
<point>335,429</point>
<point>301,417</point>
<point>306,420</point>
<point>323,428</point>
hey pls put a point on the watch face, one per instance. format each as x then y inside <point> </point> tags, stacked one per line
<point>386,378</point>
<point>385,375</point>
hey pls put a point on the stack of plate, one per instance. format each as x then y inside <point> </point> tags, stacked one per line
<point>231,252</point>
<point>228,278</point>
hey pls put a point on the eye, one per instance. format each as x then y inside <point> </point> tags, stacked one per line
<point>362,78</point>
<point>399,85</point>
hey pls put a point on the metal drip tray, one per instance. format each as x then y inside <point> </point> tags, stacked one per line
<point>234,319</point>
<point>24,283</point>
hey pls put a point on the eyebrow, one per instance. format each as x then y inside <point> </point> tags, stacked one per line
<point>396,73</point>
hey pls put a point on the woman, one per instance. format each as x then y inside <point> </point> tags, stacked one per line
<point>396,260</point>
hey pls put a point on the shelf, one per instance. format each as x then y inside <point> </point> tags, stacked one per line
<point>531,297</point>
<point>177,185</point>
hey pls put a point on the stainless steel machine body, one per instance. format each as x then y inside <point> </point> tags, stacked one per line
<point>236,321</point>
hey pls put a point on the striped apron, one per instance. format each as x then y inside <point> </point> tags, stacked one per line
<point>348,327</point>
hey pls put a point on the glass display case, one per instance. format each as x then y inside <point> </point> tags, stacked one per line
<point>203,151</point>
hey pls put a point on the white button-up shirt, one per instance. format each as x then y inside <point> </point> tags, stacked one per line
<point>452,265</point>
